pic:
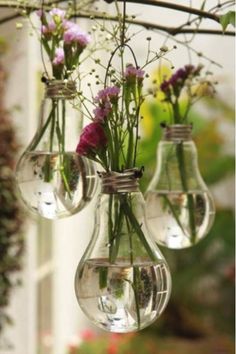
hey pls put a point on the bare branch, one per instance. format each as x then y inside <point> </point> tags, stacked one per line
<point>173,6</point>
<point>173,31</point>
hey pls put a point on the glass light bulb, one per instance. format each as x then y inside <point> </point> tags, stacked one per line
<point>53,180</point>
<point>122,282</point>
<point>180,208</point>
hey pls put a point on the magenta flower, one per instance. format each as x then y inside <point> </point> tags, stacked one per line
<point>131,73</point>
<point>58,13</point>
<point>92,139</point>
<point>74,34</point>
<point>59,57</point>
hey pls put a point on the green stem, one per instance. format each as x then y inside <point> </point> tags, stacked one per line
<point>130,149</point>
<point>134,287</point>
<point>63,124</point>
<point>110,224</point>
<point>47,165</point>
<point>136,274</point>
<point>117,236</point>
<point>42,131</point>
<point>172,209</point>
<point>190,200</point>
<point>177,117</point>
<point>61,139</point>
<point>137,227</point>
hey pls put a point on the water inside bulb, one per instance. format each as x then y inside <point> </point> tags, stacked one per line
<point>122,282</point>
<point>123,297</point>
<point>180,209</point>
<point>53,180</point>
<point>55,185</point>
<point>169,217</point>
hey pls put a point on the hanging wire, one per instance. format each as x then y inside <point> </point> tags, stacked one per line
<point>121,46</point>
<point>45,75</point>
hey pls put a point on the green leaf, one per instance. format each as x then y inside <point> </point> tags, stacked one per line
<point>226,19</point>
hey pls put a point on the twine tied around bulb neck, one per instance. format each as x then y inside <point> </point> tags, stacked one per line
<point>121,182</point>
<point>60,89</point>
<point>177,132</point>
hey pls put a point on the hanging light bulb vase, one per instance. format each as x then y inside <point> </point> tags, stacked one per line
<point>122,282</point>
<point>53,180</point>
<point>180,209</point>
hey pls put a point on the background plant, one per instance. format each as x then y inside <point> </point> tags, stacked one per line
<point>11,217</point>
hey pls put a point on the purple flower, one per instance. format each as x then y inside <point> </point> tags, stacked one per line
<point>181,75</point>
<point>50,28</point>
<point>189,69</point>
<point>67,24</point>
<point>39,13</point>
<point>59,57</point>
<point>131,73</point>
<point>58,13</point>
<point>165,86</point>
<point>101,112</point>
<point>109,93</point>
<point>44,29</point>
<point>177,80</point>
<point>74,34</point>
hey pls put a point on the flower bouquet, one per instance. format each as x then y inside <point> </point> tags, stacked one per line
<point>51,176</point>
<point>180,207</point>
<point>129,276</point>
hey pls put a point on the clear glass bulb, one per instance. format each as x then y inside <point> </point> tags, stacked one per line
<point>53,180</point>
<point>122,282</point>
<point>180,208</point>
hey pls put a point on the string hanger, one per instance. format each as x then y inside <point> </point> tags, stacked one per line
<point>122,44</point>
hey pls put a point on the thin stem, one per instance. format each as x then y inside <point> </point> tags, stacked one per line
<point>172,209</point>
<point>137,227</point>
<point>42,131</point>
<point>63,125</point>
<point>110,225</point>
<point>190,200</point>
<point>47,165</point>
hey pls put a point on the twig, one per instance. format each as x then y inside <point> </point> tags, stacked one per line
<point>148,25</point>
<point>172,6</point>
